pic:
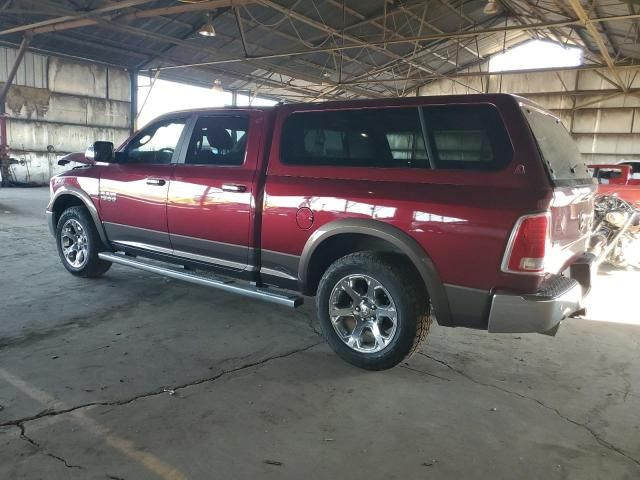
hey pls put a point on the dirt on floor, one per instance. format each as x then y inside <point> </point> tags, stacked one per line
<point>134,376</point>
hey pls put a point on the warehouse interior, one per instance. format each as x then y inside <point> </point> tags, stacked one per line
<point>137,376</point>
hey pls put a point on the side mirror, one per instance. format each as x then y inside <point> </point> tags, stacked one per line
<point>100,152</point>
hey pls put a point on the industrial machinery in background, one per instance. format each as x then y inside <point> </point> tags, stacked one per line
<point>616,232</point>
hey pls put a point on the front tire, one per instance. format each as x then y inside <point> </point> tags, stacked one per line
<point>373,309</point>
<point>79,243</point>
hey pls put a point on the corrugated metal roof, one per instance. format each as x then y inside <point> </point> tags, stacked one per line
<point>273,27</point>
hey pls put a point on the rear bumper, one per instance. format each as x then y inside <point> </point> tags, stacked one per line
<point>542,312</point>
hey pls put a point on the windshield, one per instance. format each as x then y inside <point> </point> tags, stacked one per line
<point>558,149</point>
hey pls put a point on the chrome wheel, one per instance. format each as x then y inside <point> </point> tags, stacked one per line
<point>363,313</point>
<point>74,242</point>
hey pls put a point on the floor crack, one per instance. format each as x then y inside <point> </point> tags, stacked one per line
<point>312,327</point>
<point>159,391</point>
<point>421,372</point>
<point>31,441</point>
<point>68,465</point>
<point>586,427</point>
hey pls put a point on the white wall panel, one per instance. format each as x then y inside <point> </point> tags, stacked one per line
<point>41,105</point>
<point>535,82</point>
<point>603,121</point>
<point>119,85</point>
<point>77,78</point>
<point>36,136</point>
<point>626,146</point>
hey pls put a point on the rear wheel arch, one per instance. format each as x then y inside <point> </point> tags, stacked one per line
<point>342,237</point>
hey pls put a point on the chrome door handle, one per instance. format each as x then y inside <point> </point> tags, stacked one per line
<point>156,181</point>
<point>231,187</point>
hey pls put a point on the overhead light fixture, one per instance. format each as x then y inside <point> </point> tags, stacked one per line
<point>207,29</point>
<point>217,86</point>
<point>492,7</point>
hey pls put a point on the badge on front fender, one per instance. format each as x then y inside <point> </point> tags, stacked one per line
<point>108,196</point>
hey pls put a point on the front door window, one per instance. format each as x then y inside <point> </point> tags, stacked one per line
<point>155,144</point>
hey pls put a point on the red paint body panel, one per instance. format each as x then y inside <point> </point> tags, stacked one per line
<point>137,204</point>
<point>199,207</point>
<point>444,230</point>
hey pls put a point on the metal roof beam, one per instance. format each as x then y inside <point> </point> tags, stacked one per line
<point>197,48</point>
<point>459,34</point>
<point>375,22</point>
<point>383,68</point>
<point>483,73</point>
<point>459,13</point>
<point>360,43</point>
<point>608,33</point>
<point>595,34</point>
<point>95,15</point>
<point>75,16</point>
<point>397,8</point>
<point>436,29</point>
<point>287,36</point>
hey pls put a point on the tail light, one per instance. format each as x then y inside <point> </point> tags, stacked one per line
<point>528,244</point>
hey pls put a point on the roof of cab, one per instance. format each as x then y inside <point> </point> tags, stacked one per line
<point>366,103</point>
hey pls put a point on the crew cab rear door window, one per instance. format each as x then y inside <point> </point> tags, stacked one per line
<point>218,141</point>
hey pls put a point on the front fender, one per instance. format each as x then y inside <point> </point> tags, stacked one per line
<point>57,199</point>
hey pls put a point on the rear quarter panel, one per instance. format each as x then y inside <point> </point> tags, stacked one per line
<point>462,219</point>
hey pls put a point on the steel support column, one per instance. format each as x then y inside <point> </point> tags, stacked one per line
<point>4,141</point>
<point>133,115</point>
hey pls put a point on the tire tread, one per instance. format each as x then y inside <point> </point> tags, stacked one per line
<point>401,268</point>
<point>95,267</point>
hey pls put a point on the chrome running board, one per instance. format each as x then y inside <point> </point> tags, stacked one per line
<point>261,293</point>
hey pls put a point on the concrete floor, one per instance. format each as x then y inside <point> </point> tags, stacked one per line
<point>133,376</point>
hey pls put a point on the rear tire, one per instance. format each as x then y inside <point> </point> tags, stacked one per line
<point>373,309</point>
<point>79,243</point>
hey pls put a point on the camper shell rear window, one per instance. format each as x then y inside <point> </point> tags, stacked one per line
<point>559,151</point>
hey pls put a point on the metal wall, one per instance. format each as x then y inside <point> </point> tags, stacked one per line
<point>604,120</point>
<point>57,106</point>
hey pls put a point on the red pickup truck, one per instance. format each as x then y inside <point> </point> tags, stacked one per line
<point>473,210</point>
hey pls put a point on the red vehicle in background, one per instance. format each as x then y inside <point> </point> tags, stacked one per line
<point>618,180</point>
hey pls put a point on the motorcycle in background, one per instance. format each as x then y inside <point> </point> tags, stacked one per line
<point>616,232</point>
